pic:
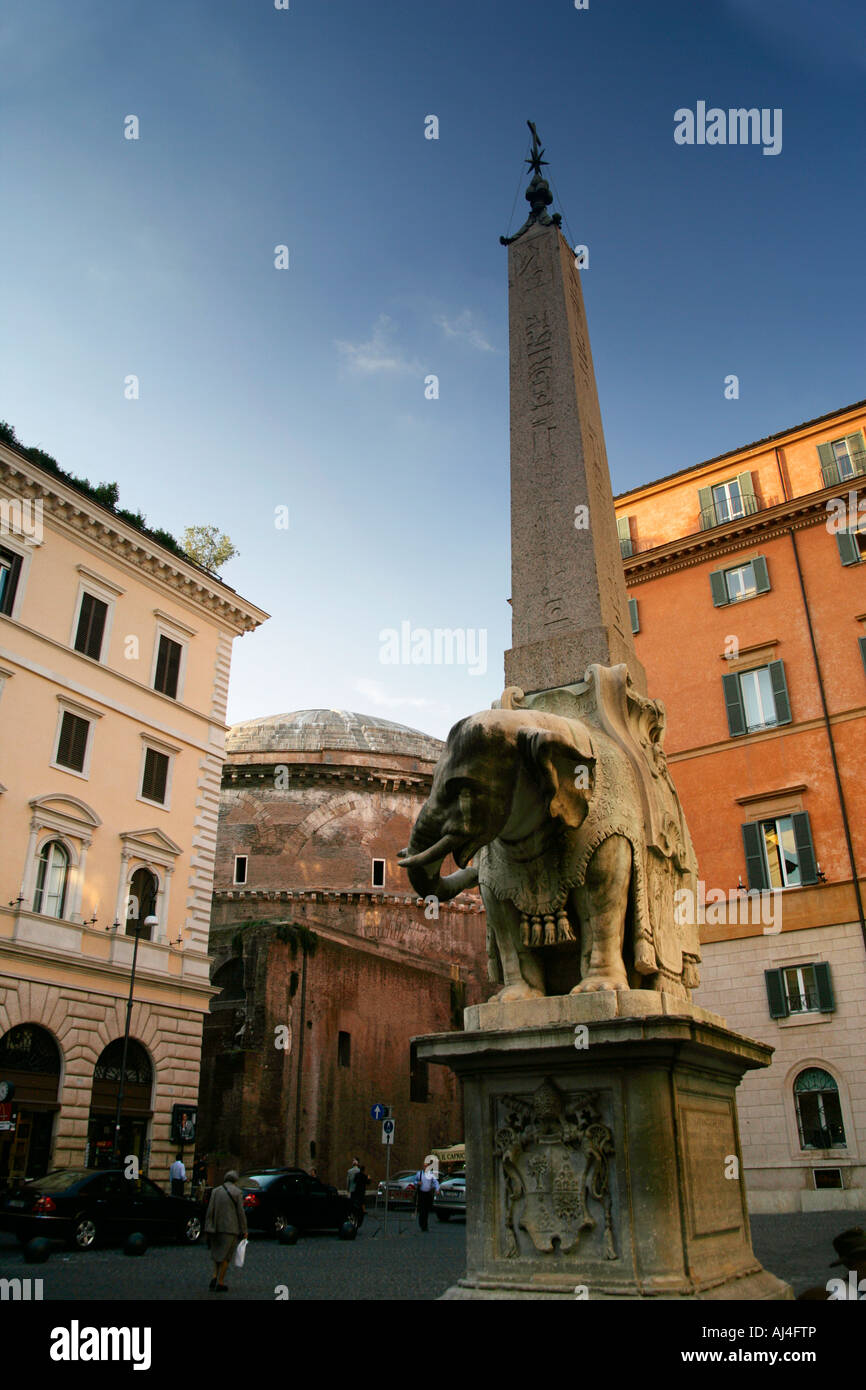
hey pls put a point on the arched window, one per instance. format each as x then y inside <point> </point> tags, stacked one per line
<point>51,880</point>
<point>138,1069</point>
<point>141,903</point>
<point>819,1114</point>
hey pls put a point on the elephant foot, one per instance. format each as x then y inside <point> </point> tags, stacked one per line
<point>593,983</point>
<point>518,991</point>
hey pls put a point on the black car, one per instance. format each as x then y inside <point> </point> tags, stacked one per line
<point>86,1206</point>
<point>279,1197</point>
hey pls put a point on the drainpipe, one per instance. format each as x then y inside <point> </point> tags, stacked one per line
<point>827,725</point>
<point>302,1028</point>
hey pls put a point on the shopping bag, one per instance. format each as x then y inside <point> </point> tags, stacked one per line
<point>241,1251</point>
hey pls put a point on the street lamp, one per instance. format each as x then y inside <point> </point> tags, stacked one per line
<point>148,922</point>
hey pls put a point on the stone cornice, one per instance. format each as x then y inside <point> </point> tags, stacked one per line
<point>462,903</point>
<point>686,551</point>
<point>302,775</point>
<point>83,519</point>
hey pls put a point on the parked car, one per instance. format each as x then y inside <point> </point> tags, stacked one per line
<point>279,1197</point>
<point>89,1206</point>
<point>450,1200</point>
<point>401,1190</point>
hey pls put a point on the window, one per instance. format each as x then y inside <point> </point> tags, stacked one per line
<point>632,613</point>
<point>740,582</point>
<point>141,903</point>
<point>72,743</point>
<point>51,880</point>
<point>10,569</point>
<point>154,783</point>
<point>92,616</point>
<point>167,674</point>
<point>419,1077</point>
<point>344,1050</point>
<point>862,644</point>
<point>799,989</point>
<point>626,544</point>
<point>779,852</point>
<point>852,546</point>
<point>378,873</point>
<point>819,1114</point>
<point>757,699</point>
<point>725,501</point>
<point>842,458</point>
<point>240,875</point>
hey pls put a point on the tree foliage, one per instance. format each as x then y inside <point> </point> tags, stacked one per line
<point>207,547</point>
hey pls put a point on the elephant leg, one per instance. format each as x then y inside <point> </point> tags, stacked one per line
<point>601,903</point>
<point>522,974</point>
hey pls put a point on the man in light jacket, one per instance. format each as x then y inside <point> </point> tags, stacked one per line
<point>225,1225</point>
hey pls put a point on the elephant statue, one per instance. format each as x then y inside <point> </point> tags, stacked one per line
<point>547,815</point>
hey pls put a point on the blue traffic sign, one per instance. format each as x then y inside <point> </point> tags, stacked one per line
<point>379,1112</point>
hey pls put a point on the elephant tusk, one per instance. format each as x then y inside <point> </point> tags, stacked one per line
<point>435,854</point>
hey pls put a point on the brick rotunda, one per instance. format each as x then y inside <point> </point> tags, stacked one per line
<point>324,958</point>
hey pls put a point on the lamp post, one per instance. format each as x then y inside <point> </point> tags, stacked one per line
<point>148,922</point>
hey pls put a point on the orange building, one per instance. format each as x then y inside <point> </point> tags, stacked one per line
<point>747,588</point>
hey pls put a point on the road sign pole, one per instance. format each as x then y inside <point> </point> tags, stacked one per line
<point>387,1183</point>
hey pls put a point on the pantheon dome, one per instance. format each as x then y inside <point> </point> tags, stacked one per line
<point>335,730</point>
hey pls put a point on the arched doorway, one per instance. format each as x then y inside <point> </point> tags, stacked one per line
<point>136,1113</point>
<point>30,1060</point>
<point>141,903</point>
<point>819,1114</point>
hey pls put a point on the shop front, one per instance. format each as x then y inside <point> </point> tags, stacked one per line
<point>136,1107</point>
<point>30,1065</point>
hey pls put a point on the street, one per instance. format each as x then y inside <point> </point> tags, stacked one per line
<point>404,1265</point>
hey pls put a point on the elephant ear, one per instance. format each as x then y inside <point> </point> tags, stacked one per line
<point>565,764</point>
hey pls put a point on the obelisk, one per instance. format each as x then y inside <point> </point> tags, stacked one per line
<point>568,598</point>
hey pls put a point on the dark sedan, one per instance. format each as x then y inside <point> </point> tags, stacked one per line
<point>86,1206</point>
<point>279,1197</point>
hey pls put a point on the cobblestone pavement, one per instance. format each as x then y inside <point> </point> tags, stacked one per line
<point>405,1264</point>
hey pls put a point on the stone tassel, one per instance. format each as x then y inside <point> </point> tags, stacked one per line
<point>563,927</point>
<point>524,929</point>
<point>537,939</point>
<point>549,930</point>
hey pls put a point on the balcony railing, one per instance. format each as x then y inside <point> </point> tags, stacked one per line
<point>720,512</point>
<point>834,472</point>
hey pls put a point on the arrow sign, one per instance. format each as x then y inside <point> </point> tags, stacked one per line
<point>379,1112</point>
<point>387,1131</point>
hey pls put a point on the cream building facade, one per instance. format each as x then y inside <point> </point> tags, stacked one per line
<point>114,669</point>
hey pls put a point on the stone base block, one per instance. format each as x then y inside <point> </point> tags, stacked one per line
<point>605,1165</point>
<point>584,1008</point>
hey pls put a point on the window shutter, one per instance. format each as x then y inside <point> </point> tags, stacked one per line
<point>91,626</point>
<point>155,776</point>
<point>747,492</point>
<point>826,1002</point>
<point>632,613</point>
<point>707,506</point>
<point>72,744</point>
<point>753,843</point>
<point>849,553</point>
<point>719,588</point>
<point>10,568</point>
<point>780,691</point>
<point>856,452</point>
<point>623,527</point>
<point>734,705</point>
<point>762,577</point>
<point>862,642</point>
<point>776,996</point>
<point>167,667</point>
<point>829,467</point>
<point>805,851</point>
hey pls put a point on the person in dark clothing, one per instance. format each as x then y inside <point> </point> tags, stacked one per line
<point>427,1187</point>
<point>359,1190</point>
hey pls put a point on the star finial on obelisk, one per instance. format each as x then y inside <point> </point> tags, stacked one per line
<point>538,194</point>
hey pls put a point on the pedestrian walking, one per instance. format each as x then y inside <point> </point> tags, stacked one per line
<point>426,1187</point>
<point>177,1172</point>
<point>225,1225</point>
<point>351,1176</point>
<point>358,1193</point>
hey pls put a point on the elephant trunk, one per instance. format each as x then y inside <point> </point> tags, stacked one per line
<point>425,856</point>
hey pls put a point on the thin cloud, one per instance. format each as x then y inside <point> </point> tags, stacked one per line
<point>464,327</point>
<point>376,696</point>
<point>379,353</point>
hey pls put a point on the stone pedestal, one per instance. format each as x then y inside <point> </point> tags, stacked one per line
<point>602,1150</point>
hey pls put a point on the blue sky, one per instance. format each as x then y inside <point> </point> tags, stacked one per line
<point>304,388</point>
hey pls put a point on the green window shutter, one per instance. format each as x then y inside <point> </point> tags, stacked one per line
<point>805,851</point>
<point>776,996</point>
<point>849,553</point>
<point>826,1002</point>
<point>632,613</point>
<point>707,506</point>
<point>829,467</point>
<point>747,492</point>
<point>719,588</point>
<point>862,642</point>
<point>762,577</point>
<point>734,705</point>
<point>780,691</point>
<point>855,451</point>
<point>753,843</point>
<point>623,530</point>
